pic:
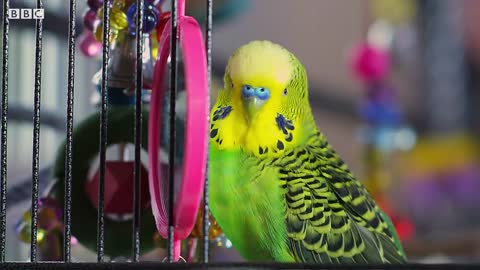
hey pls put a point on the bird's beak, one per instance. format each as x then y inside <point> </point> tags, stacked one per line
<point>253,100</point>
<point>252,105</point>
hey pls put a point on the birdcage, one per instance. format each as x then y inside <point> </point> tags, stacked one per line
<point>181,33</point>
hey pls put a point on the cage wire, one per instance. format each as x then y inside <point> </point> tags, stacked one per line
<point>36,172</point>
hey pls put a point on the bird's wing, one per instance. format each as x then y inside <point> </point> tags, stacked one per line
<point>330,216</point>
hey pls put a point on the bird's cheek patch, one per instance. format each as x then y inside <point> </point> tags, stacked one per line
<point>222,113</point>
<point>286,126</point>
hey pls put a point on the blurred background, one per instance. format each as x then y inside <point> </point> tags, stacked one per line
<point>393,85</point>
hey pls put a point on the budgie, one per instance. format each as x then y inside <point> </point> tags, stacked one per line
<point>277,188</point>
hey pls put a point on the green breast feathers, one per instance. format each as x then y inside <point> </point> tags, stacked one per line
<point>304,206</point>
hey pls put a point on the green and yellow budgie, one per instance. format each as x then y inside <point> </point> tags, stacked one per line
<point>278,189</point>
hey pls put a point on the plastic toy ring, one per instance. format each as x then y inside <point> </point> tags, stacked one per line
<point>195,153</point>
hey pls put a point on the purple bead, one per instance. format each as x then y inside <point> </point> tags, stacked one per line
<point>151,15</point>
<point>95,4</point>
<point>89,19</point>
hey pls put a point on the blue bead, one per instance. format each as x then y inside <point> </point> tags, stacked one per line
<point>154,9</point>
<point>381,114</point>
<point>151,15</point>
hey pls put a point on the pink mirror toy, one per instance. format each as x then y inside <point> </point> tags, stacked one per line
<point>197,110</point>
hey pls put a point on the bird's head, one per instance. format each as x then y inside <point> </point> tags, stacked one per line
<point>265,77</point>
<point>264,106</point>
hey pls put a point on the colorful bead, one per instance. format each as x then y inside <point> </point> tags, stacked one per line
<point>381,114</point>
<point>94,4</point>
<point>119,4</point>
<point>88,45</point>
<point>369,63</point>
<point>118,18</point>
<point>47,221</point>
<point>155,9</point>
<point>128,3</point>
<point>89,19</point>
<point>150,17</point>
<point>98,32</point>
<point>24,232</point>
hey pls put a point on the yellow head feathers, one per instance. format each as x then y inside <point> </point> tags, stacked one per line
<point>263,108</point>
<point>259,62</point>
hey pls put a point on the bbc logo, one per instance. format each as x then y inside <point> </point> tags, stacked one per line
<point>25,13</point>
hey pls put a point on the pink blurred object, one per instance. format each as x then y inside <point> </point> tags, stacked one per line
<point>89,46</point>
<point>195,158</point>
<point>74,241</point>
<point>369,63</point>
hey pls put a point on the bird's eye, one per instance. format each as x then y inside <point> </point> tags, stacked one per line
<point>231,84</point>
<point>285,91</point>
